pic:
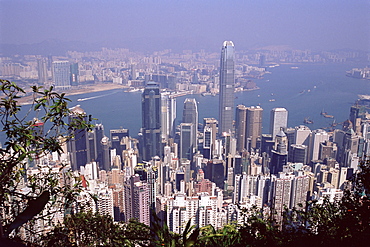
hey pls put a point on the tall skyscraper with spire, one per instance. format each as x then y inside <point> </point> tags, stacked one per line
<point>151,121</point>
<point>226,101</point>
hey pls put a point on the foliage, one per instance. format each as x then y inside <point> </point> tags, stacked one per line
<point>27,140</point>
<point>89,229</point>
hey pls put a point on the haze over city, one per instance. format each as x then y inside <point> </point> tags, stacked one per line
<point>154,25</point>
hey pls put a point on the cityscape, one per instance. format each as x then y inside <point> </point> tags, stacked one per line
<point>218,165</point>
<point>181,166</point>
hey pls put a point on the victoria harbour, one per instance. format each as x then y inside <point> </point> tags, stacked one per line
<point>305,92</point>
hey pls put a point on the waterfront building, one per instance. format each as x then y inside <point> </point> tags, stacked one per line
<point>151,122</point>
<point>190,115</point>
<point>61,75</point>
<point>168,115</point>
<point>99,134</point>
<point>226,92</point>
<point>278,120</point>
<point>42,71</point>
<point>75,77</point>
<point>78,146</point>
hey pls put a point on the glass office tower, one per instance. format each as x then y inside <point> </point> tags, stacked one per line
<point>226,102</point>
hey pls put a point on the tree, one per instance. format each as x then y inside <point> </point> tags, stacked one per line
<point>89,229</point>
<point>27,139</point>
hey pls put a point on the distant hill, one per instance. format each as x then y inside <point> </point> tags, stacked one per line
<point>47,47</point>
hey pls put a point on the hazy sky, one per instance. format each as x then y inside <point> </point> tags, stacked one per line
<point>189,24</point>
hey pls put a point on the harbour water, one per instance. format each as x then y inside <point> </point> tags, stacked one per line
<point>304,91</point>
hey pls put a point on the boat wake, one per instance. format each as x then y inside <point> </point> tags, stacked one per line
<point>95,97</point>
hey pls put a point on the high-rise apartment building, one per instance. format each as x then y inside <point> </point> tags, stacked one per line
<point>62,74</point>
<point>137,200</point>
<point>278,120</point>
<point>226,94</point>
<point>151,121</point>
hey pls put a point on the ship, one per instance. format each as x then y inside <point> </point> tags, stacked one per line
<point>325,114</point>
<point>307,120</point>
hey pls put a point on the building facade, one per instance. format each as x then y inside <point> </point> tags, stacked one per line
<point>226,94</point>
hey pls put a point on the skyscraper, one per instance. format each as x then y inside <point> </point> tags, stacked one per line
<point>151,121</point>
<point>316,137</point>
<point>74,74</point>
<point>226,100</point>
<point>190,115</point>
<point>61,74</point>
<point>279,157</point>
<point>278,120</point>
<point>168,114</point>
<point>241,117</point>
<point>253,125</point>
<point>42,71</point>
<point>78,146</point>
<point>186,140</point>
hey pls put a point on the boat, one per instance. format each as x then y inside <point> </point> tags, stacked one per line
<point>325,114</point>
<point>294,67</point>
<point>307,120</point>
<point>302,92</point>
<point>272,100</point>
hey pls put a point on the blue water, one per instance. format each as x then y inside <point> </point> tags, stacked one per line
<point>329,89</point>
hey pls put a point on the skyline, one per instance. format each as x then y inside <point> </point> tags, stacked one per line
<point>148,25</point>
